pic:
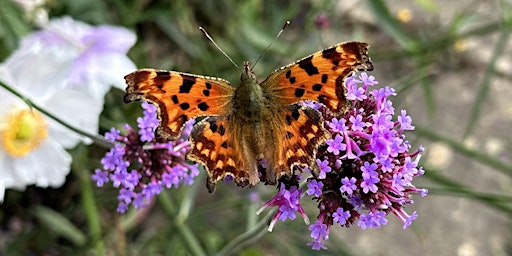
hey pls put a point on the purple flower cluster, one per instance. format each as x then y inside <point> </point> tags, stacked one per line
<point>141,165</point>
<point>365,170</point>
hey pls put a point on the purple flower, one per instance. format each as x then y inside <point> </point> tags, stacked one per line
<point>354,92</point>
<point>288,202</point>
<point>141,165</point>
<point>100,177</point>
<point>322,21</point>
<point>405,121</point>
<point>367,80</point>
<point>315,188</point>
<point>337,125</point>
<point>113,134</point>
<point>324,168</point>
<point>357,123</point>
<point>148,123</point>
<point>317,245</point>
<point>318,230</point>
<point>372,220</point>
<point>348,185</point>
<point>341,216</point>
<point>335,145</point>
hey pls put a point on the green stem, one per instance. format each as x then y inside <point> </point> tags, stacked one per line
<point>459,147</point>
<point>490,71</point>
<point>91,211</point>
<point>451,187</point>
<point>80,159</point>
<point>248,237</point>
<point>100,140</point>
<point>187,236</point>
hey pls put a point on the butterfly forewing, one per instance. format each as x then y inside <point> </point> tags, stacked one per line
<point>320,76</point>
<point>178,96</point>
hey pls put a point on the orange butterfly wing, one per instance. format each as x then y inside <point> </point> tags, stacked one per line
<point>296,133</point>
<point>215,145</point>
<point>320,76</point>
<point>179,97</point>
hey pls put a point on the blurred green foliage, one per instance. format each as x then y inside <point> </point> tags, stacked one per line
<point>79,218</point>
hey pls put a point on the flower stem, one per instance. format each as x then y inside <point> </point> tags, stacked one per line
<point>88,201</point>
<point>249,237</point>
<point>187,236</point>
<point>100,140</point>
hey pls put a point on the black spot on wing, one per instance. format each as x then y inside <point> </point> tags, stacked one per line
<point>188,82</point>
<point>213,126</point>
<point>324,78</point>
<point>332,55</point>
<point>222,130</point>
<point>317,87</point>
<point>295,114</point>
<point>174,99</point>
<point>299,92</point>
<point>308,66</point>
<point>161,78</point>
<point>184,106</point>
<point>288,120</point>
<point>203,106</point>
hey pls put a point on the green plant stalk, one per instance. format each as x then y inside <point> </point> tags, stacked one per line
<point>79,167</point>
<point>499,202</point>
<point>483,158</point>
<point>490,71</point>
<point>91,211</point>
<point>100,140</point>
<point>248,237</point>
<point>187,236</point>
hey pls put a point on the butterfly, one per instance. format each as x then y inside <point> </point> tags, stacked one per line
<point>254,123</point>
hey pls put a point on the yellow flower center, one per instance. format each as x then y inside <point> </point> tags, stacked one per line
<point>24,131</point>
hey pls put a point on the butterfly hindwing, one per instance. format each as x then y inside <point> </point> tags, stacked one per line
<point>178,96</point>
<point>299,136</point>
<point>215,146</point>
<point>320,76</point>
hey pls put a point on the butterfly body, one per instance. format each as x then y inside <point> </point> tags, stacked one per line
<point>254,123</point>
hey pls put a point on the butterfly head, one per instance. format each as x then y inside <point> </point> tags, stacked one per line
<point>247,74</point>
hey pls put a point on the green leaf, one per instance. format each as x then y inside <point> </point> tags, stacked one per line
<point>58,224</point>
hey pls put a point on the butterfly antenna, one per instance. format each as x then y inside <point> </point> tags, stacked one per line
<point>218,47</point>
<point>268,47</point>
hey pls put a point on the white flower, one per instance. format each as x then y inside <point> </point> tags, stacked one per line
<point>66,60</point>
<point>28,154</point>
<point>66,68</point>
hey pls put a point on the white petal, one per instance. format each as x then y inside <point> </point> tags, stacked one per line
<point>107,69</point>
<point>48,165</point>
<point>45,166</point>
<point>78,108</point>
